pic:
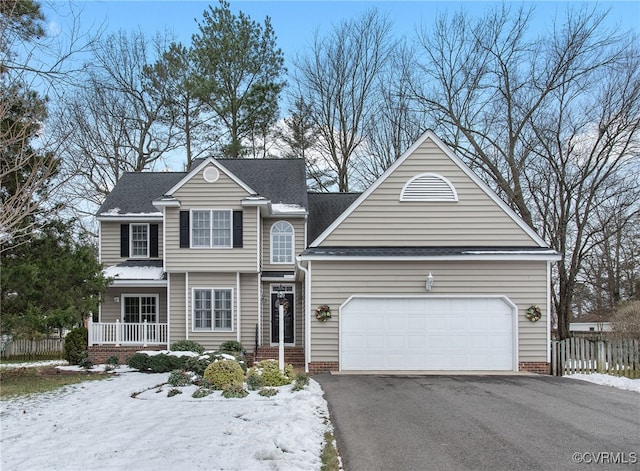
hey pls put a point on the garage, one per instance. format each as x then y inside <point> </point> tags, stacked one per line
<point>427,333</point>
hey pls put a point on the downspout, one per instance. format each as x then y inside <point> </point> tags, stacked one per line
<point>239,308</point>
<point>307,311</point>
<point>549,313</point>
<point>186,305</point>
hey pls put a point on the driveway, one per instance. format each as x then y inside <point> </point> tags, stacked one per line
<point>385,422</point>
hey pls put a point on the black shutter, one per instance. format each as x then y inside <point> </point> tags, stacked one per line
<point>124,240</point>
<point>237,229</point>
<point>184,229</point>
<point>153,240</point>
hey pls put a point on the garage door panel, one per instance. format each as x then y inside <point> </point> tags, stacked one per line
<point>427,334</point>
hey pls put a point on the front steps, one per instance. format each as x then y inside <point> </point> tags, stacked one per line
<point>292,355</point>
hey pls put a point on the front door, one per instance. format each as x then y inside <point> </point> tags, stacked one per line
<point>288,317</point>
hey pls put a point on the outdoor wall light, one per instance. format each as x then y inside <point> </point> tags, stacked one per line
<point>116,299</point>
<point>429,283</point>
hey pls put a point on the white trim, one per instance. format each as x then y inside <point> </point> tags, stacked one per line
<point>213,312</point>
<point>238,307</point>
<point>545,256</point>
<point>201,166</point>
<point>187,300</point>
<point>166,203</point>
<point>306,312</point>
<point>430,135</point>
<point>139,295</point>
<point>259,240</point>
<point>211,211</point>
<point>164,240</point>
<point>138,257</point>
<point>293,308</point>
<point>168,309</point>
<point>452,198</point>
<point>548,312</point>
<point>124,218</point>
<point>100,243</point>
<point>293,243</point>
<point>504,298</point>
<point>260,309</point>
<point>139,283</point>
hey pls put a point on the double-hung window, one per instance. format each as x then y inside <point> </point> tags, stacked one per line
<point>211,228</point>
<point>212,309</point>
<point>139,240</point>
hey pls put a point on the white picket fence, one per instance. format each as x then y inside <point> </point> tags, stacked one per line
<point>582,355</point>
<point>25,348</point>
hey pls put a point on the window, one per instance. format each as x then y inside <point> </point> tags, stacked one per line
<point>139,240</point>
<point>137,309</point>
<point>212,309</point>
<point>282,242</point>
<point>211,228</point>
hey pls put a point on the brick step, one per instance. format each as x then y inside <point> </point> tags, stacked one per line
<point>292,355</point>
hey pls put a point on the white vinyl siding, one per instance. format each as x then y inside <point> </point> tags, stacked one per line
<point>211,228</point>
<point>212,309</point>
<point>282,238</point>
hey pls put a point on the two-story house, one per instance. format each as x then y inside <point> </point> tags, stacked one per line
<point>425,270</point>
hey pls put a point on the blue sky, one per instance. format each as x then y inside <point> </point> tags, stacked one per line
<point>295,22</point>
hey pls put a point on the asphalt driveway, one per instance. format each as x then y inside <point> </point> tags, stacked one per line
<point>386,422</point>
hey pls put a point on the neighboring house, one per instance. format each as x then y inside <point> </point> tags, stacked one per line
<point>590,323</point>
<point>426,270</point>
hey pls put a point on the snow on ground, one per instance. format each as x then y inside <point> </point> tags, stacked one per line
<point>97,425</point>
<point>33,364</point>
<point>619,382</point>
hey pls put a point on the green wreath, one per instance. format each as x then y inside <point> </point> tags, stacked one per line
<point>534,314</point>
<point>323,313</point>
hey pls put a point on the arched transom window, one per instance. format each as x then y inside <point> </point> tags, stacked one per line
<point>428,187</point>
<point>282,242</point>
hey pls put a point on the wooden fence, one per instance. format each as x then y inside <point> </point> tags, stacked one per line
<point>25,349</point>
<point>582,355</point>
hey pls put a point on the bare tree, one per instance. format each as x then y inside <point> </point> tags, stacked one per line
<point>399,119</point>
<point>338,80</point>
<point>30,64</point>
<point>117,122</point>
<point>551,122</point>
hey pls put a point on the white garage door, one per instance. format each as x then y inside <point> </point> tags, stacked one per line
<point>427,333</point>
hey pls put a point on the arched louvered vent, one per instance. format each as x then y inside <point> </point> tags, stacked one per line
<point>428,187</point>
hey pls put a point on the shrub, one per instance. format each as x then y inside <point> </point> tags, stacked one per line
<point>201,392</point>
<point>234,390</point>
<point>187,346</point>
<point>75,345</point>
<point>85,363</point>
<point>225,373</point>
<point>113,361</point>
<point>197,364</point>
<point>173,392</point>
<point>179,378</point>
<point>254,382</point>
<point>626,321</point>
<point>231,346</point>
<point>163,363</point>
<point>301,381</point>
<point>271,374</point>
<point>139,361</point>
<point>268,392</point>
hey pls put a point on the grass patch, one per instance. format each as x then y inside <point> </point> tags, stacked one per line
<point>329,456</point>
<point>22,381</point>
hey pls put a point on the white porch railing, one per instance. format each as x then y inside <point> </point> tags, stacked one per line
<point>123,333</point>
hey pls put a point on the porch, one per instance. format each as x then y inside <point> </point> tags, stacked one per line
<point>127,333</point>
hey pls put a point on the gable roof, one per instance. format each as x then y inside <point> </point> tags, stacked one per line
<point>135,191</point>
<point>278,180</point>
<point>324,208</point>
<point>510,213</point>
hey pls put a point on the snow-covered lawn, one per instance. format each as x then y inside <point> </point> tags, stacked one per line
<point>619,382</point>
<point>97,425</point>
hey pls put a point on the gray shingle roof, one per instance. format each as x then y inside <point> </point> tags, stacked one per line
<point>324,208</point>
<point>135,191</point>
<point>279,180</point>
